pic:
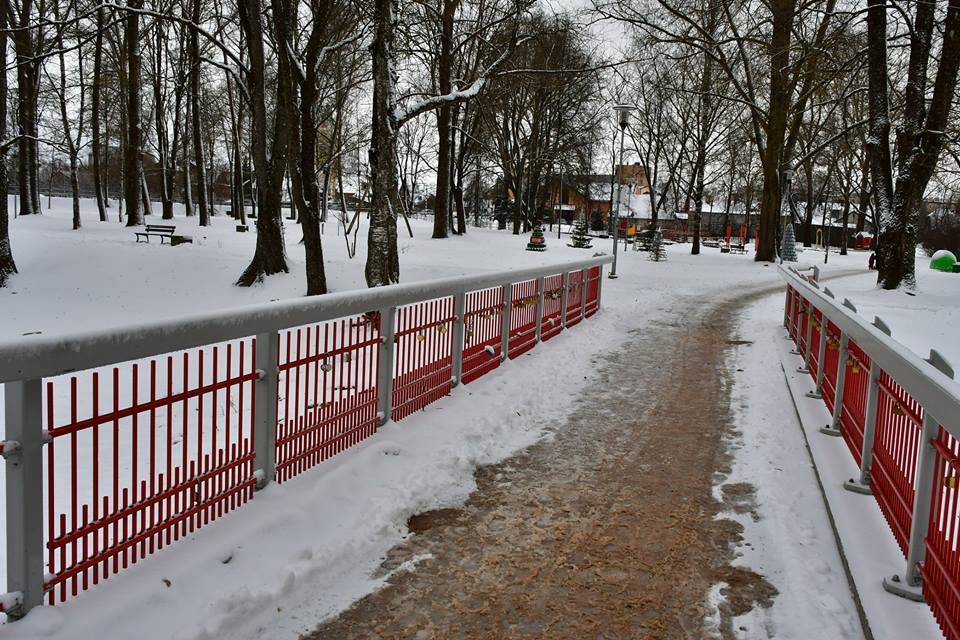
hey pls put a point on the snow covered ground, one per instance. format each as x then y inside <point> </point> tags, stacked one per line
<point>302,551</point>
<point>787,535</point>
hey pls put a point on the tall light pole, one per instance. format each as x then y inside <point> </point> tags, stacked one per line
<point>623,121</point>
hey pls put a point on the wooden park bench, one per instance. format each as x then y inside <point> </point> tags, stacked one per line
<point>164,232</point>
<point>738,247</point>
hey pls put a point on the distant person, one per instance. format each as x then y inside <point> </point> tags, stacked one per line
<point>872,263</point>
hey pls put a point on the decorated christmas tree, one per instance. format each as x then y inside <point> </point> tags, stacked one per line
<point>788,246</point>
<point>580,237</point>
<point>537,241</point>
<point>658,251</point>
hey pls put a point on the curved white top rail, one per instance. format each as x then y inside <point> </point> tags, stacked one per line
<point>37,356</point>
<point>936,392</point>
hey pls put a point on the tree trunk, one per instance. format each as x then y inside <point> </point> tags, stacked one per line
<point>132,158</point>
<point>202,200</point>
<point>773,156</point>
<point>890,265</point>
<point>27,86</point>
<point>441,208</point>
<point>383,263</point>
<point>95,116</point>
<point>268,257</point>
<point>7,264</point>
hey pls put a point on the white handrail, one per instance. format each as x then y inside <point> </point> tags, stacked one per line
<point>38,356</point>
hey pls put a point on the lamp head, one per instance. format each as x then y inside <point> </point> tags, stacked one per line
<point>623,114</point>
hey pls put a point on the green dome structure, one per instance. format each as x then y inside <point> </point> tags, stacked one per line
<point>943,260</point>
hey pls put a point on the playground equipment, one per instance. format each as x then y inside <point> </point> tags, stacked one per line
<point>944,260</point>
<point>741,246</point>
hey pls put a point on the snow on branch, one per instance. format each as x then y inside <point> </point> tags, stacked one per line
<point>459,95</point>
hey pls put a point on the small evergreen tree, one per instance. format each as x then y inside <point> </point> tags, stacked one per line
<point>788,247</point>
<point>537,241</point>
<point>580,238</point>
<point>658,251</point>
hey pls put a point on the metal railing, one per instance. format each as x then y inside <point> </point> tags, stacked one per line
<point>120,442</point>
<point>899,415</point>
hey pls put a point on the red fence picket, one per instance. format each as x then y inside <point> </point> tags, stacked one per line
<point>170,451</point>
<point>423,361</point>
<point>482,332</point>
<point>327,397</point>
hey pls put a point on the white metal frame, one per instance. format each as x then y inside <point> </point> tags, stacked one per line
<point>928,381</point>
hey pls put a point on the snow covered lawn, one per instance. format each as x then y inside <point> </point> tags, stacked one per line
<point>924,319</point>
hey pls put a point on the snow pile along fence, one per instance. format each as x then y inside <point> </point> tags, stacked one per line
<point>899,415</point>
<point>122,442</point>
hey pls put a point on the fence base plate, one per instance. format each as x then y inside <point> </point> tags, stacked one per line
<point>814,394</point>
<point>828,430</point>
<point>895,585</point>
<point>857,487</point>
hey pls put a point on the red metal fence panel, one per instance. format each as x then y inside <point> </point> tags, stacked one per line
<point>482,332</point>
<point>170,450</point>
<point>831,365</point>
<point>524,300</point>
<point>423,361</point>
<point>941,567</point>
<point>853,411</point>
<point>593,292</point>
<point>894,467</point>
<point>552,323</point>
<point>328,393</point>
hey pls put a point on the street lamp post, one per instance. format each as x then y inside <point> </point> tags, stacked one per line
<point>623,121</point>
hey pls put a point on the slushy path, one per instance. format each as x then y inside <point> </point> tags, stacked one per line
<point>605,530</point>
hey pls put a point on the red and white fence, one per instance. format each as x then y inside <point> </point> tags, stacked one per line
<point>121,443</point>
<point>899,415</point>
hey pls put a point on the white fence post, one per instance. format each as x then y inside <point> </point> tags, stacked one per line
<point>909,585</point>
<point>541,281</point>
<point>460,315</point>
<point>505,321</point>
<point>23,451</point>
<point>862,485</point>
<point>387,351</point>
<point>599,286</point>
<point>807,338</point>
<point>821,353</point>
<point>833,429</point>
<point>584,274</point>
<point>265,412</point>
<point>564,285</point>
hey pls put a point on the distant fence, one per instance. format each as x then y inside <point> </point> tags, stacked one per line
<point>899,415</point>
<point>166,427</point>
